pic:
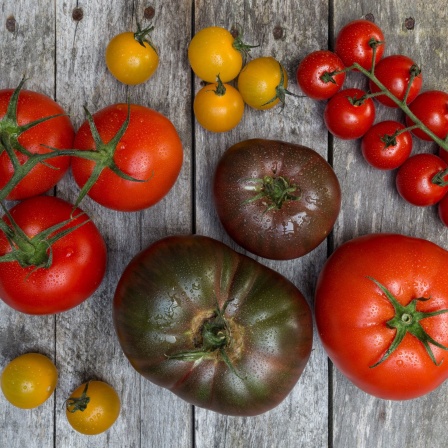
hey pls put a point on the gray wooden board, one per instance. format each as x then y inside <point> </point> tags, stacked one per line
<point>64,58</point>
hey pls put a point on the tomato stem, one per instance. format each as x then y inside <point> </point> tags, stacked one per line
<point>280,91</point>
<point>141,36</point>
<point>74,404</point>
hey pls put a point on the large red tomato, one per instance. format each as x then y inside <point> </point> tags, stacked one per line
<point>17,113</point>
<point>149,151</point>
<point>382,314</point>
<point>47,264</point>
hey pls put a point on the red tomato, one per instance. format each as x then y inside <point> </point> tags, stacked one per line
<point>50,280</point>
<point>431,107</point>
<point>354,43</point>
<point>315,74</point>
<point>386,145</point>
<point>395,73</point>
<point>422,180</point>
<point>442,209</point>
<point>56,133</point>
<point>347,115</point>
<point>376,302</point>
<point>150,151</point>
<point>443,154</point>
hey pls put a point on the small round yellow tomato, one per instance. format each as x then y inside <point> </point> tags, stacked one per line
<point>131,57</point>
<point>29,380</point>
<point>93,407</point>
<point>218,107</point>
<point>214,51</point>
<point>263,82</point>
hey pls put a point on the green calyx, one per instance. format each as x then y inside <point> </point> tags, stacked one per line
<point>240,46</point>
<point>78,404</point>
<point>34,251</point>
<point>407,320</point>
<point>220,88</point>
<point>439,178</point>
<point>274,191</point>
<point>280,91</point>
<point>141,36</point>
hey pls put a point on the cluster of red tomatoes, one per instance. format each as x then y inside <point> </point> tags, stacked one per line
<point>394,81</point>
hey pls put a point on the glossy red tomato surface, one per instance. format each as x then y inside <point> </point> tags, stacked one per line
<point>395,73</point>
<point>369,298</point>
<point>76,262</point>
<point>150,151</point>
<point>353,43</point>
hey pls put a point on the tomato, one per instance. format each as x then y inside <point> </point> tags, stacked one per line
<point>386,145</point>
<point>423,179</point>
<point>400,75</point>
<point>360,41</point>
<point>29,380</point>
<point>215,327</point>
<point>278,200</point>
<point>320,74</point>
<point>93,407</point>
<point>431,107</point>
<point>263,83</point>
<point>47,269</point>
<point>348,115</point>
<point>442,209</point>
<point>20,112</point>
<point>214,51</point>
<point>131,57</point>
<point>443,154</point>
<point>149,152</point>
<point>218,107</point>
<point>381,312</point>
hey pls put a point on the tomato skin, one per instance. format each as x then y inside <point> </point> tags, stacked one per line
<point>130,62</point>
<point>442,210</point>
<point>101,411</point>
<point>259,80</point>
<point>431,107</point>
<point>376,151</point>
<point>313,67</point>
<point>150,150</point>
<point>170,292</point>
<point>346,120</point>
<point>351,313</point>
<point>298,226</point>
<point>56,133</point>
<point>352,43</point>
<point>218,112</point>
<point>394,72</point>
<point>78,265</point>
<point>414,179</point>
<point>211,53</point>
<point>29,380</point>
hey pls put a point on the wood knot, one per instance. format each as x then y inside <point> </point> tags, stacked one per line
<point>77,14</point>
<point>278,32</point>
<point>11,24</point>
<point>149,13</point>
<point>370,17</point>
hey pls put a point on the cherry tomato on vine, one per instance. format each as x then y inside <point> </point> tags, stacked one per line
<point>397,73</point>
<point>318,74</point>
<point>218,107</point>
<point>263,83</point>
<point>423,179</point>
<point>131,57</point>
<point>29,380</point>
<point>431,107</point>
<point>355,42</point>
<point>214,51</point>
<point>386,145</point>
<point>348,115</point>
<point>443,154</point>
<point>442,209</point>
<point>93,407</point>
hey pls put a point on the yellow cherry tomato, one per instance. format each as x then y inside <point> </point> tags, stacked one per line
<point>93,407</point>
<point>214,51</point>
<point>263,83</point>
<point>29,380</point>
<point>131,57</point>
<point>218,107</point>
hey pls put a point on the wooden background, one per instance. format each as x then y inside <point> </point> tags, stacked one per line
<point>61,49</point>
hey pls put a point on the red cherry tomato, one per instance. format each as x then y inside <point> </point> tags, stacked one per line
<point>395,73</point>
<point>315,74</point>
<point>442,209</point>
<point>354,43</point>
<point>431,107</point>
<point>386,146</point>
<point>347,115</point>
<point>422,180</point>
<point>443,154</point>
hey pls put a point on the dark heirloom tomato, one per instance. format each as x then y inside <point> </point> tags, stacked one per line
<point>215,327</point>
<point>278,200</point>
<point>381,312</point>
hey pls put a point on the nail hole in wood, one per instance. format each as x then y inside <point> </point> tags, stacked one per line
<point>370,17</point>
<point>409,23</point>
<point>77,14</point>
<point>278,32</point>
<point>11,24</point>
<point>149,13</point>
